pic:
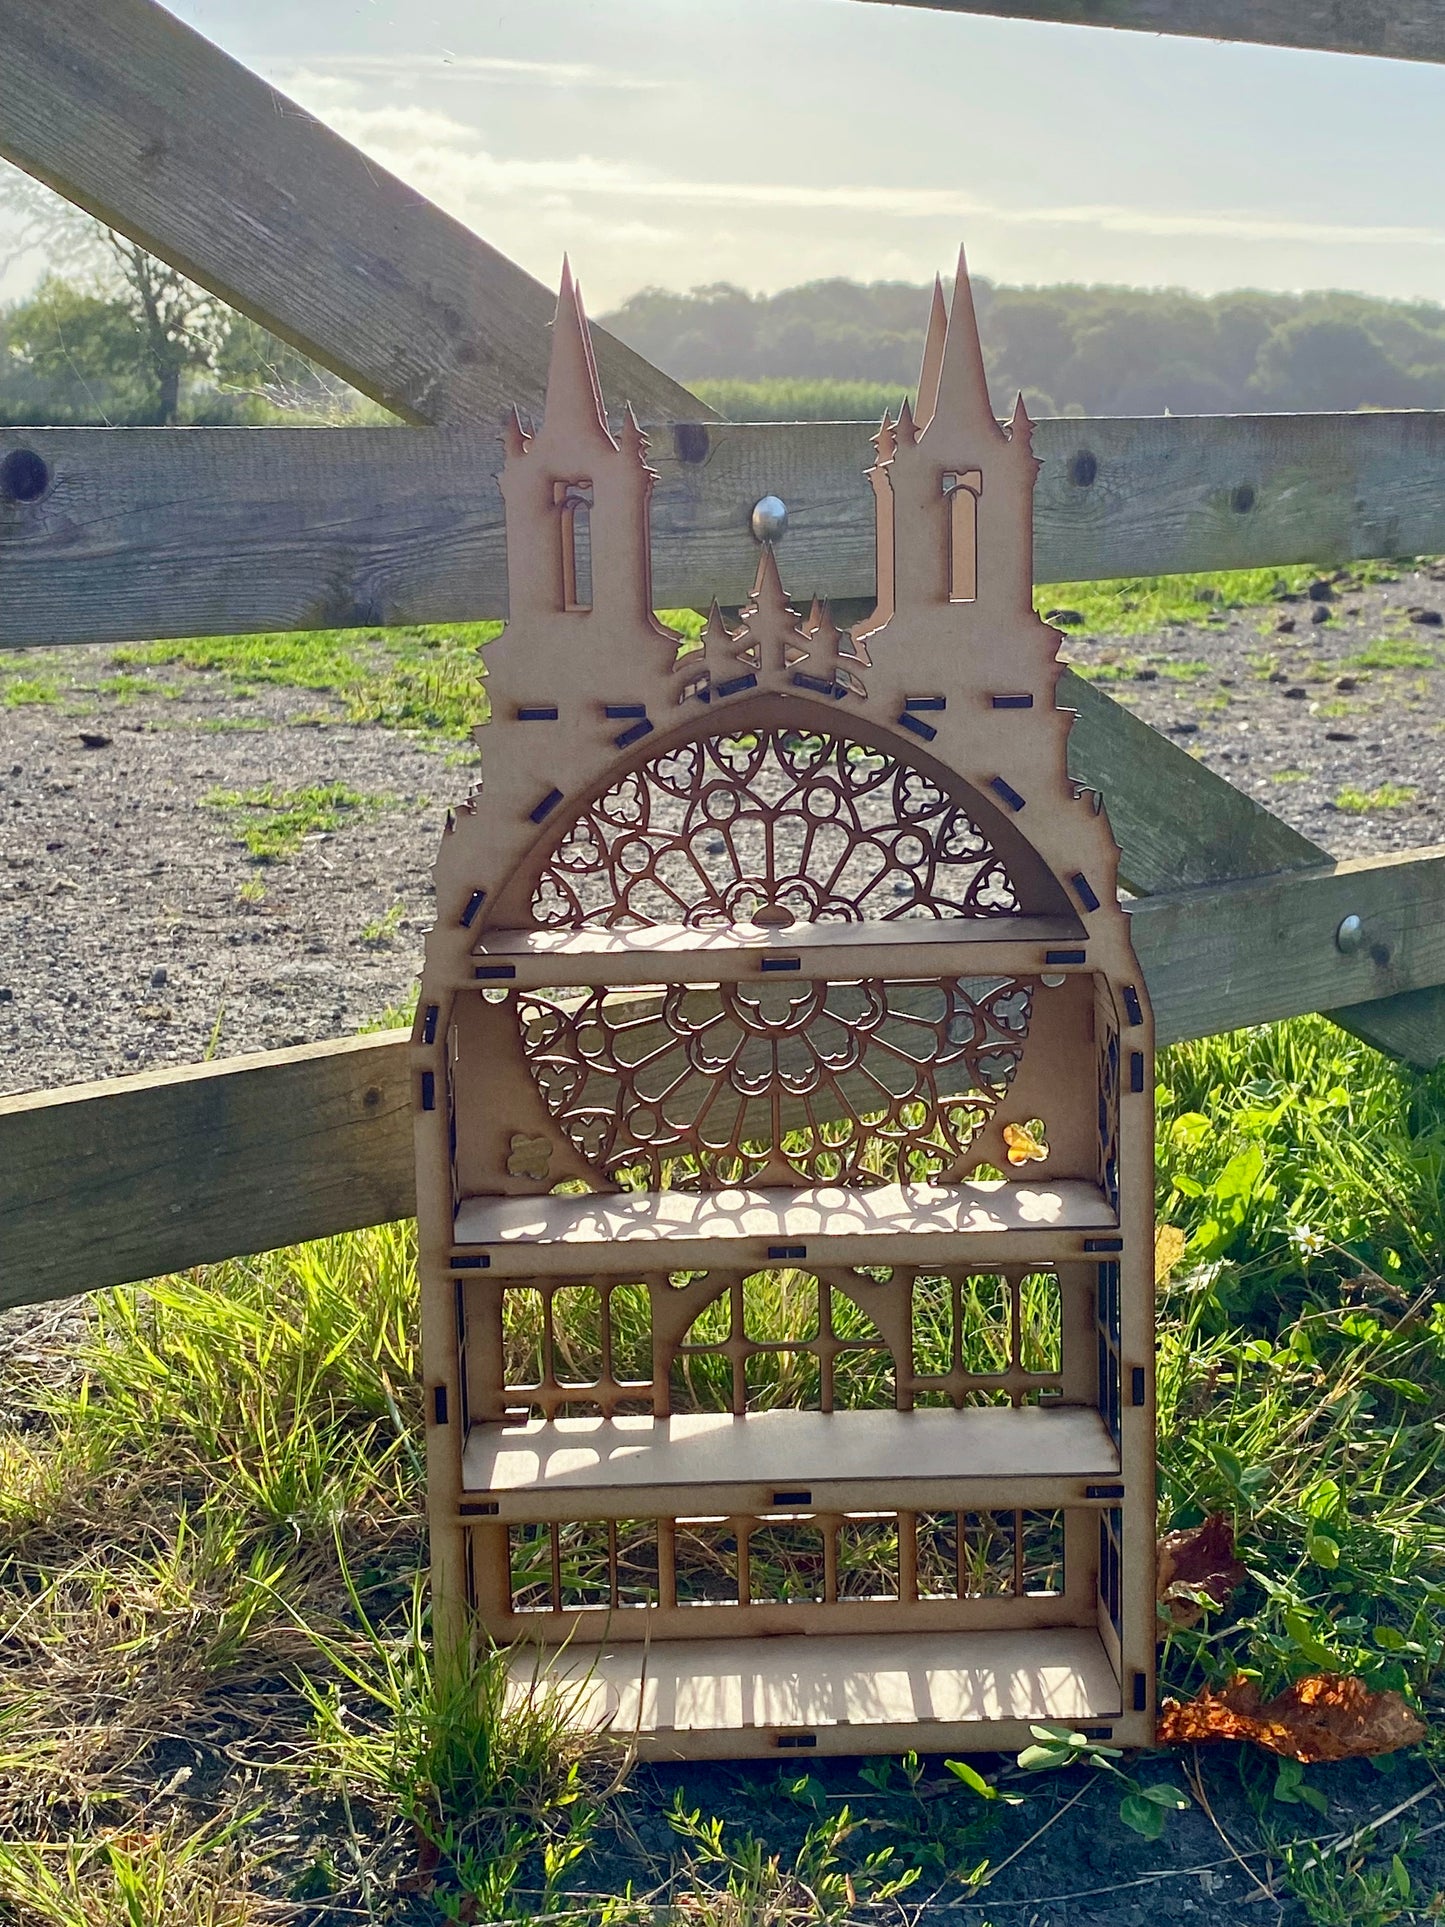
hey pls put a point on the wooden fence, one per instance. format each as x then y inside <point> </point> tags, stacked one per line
<point>109,534</point>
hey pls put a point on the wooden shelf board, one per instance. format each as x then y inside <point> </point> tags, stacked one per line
<point>826,1223</point>
<point>804,1682</point>
<point>948,946</point>
<point>788,1449</point>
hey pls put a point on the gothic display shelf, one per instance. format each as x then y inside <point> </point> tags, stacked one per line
<point>955,1223</point>
<point>947,946</point>
<point>804,1458</point>
<point>782,1048</point>
<point>840,1693</point>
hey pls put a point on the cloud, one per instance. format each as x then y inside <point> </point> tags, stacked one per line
<point>440,155</point>
<point>488,69</point>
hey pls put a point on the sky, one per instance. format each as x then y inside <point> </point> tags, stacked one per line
<point>768,142</point>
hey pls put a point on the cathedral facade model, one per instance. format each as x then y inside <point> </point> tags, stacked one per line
<point>784,1087</point>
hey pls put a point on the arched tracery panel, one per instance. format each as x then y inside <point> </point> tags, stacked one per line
<point>774,1082</point>
<point>773,825</point>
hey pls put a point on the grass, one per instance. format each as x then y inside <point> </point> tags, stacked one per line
<point>1388,796</point>
<point>1137,604</point>
<point>216,1704</point>
<point>381,932</point>
<point>425,680</point>
<point>273,823</point>
<point>1395,652</point>
<point>18,691</point>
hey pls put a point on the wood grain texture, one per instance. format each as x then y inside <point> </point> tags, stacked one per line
<point>1399,30</point>
<point>127,1179</point>
<point>1252,952</point>
<point>148,126</point>
<point>231,531</point>
<point>1209,832</point>
<point>1178,824</point>
<point>120,1181</point>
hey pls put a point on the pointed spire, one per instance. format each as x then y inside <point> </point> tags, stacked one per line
<point>769,598</point>
<point>885,442</point>
<point>962,400</point>
<point>574,395</point>
<point>932,355</point>
<point>719,648</point>
<point>514,435</point>
<point>1021,428</point>
<point>905,436</point>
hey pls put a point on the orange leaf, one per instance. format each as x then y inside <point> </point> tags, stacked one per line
<point>1325,1716</point>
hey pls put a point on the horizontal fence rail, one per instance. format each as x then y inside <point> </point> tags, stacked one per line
<point>1397,29</point>
<point>109,1183</point>
<point>228,531</point>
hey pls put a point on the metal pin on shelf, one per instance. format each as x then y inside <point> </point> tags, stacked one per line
<point>769,520</point>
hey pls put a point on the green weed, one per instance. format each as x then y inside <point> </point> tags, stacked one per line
<point>424,679</point>
<point>1143,1809</point>
<point>17,692</point>
<point>1395,652</point>
<point>488,1781</point>
<point>1107,671</point>
<point>1289,776</point>
<point>737,1882</point>
<point>381,932</point>
<point>274,823</point>
<point>1387,796</point>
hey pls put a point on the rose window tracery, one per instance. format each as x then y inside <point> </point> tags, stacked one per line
<point>703,1085</point>
<point>776,826</point>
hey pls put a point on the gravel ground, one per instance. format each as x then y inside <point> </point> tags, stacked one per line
<point>1280,702</point>
<point>132,931</point>
<point>136,930</point>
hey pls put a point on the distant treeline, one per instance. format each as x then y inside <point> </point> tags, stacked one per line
<point>145,346</point>
<point>841,349</point>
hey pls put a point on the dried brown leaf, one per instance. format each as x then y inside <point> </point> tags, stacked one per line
<point>1198,1565</point>
<point>1325,1716</point>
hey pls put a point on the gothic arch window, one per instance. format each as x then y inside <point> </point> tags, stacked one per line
<point>573,501</point>
<point>963,490</point>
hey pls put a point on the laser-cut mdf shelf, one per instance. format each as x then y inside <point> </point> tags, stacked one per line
<point>784,1078</point>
